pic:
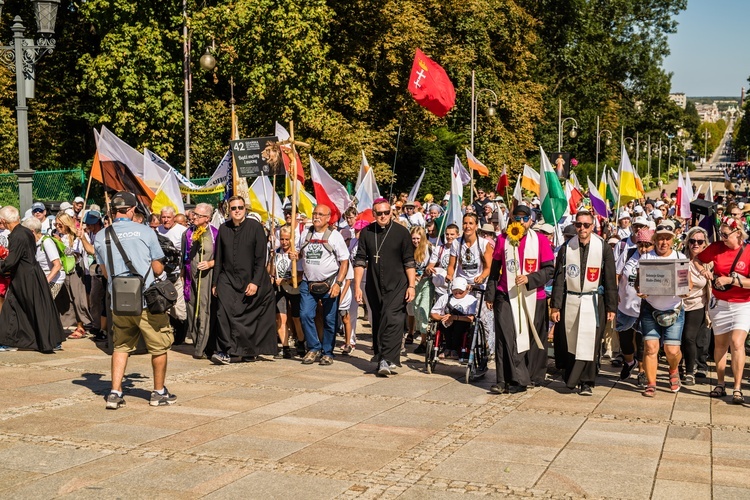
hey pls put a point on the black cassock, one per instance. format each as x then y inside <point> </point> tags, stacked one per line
<point>245,326</point>
<point>386,252</point>
<point>29,319</point>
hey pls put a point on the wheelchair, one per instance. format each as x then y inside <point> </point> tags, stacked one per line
<point>473,344</point>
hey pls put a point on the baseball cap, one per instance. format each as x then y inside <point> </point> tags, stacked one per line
<point>522,210</point>
<point>613,240</point>
<point>79,199</point>
<point>38,207</point>
<point>656,214</point>
<point>624,215</point>
<point>638,209</point>
<point>459,284</point>
<point>65,205</point>
<point>570,230</point>
<point>124,199</point>
<point>544,228</point>
<point>640,221</point>
<point>409,204</point>
<point>665,227</point>
<point>92,217</point>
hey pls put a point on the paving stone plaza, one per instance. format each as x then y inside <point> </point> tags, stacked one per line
<point>279,429</point>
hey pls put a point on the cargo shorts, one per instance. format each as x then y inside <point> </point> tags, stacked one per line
<point>154,328</point>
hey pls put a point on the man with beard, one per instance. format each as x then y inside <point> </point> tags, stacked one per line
<point>386,250</point>
<point>584,299</point>
<point>519,272</point>
<point>245,316</point>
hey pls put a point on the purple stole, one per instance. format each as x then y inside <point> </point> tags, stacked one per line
<point>186,257</point>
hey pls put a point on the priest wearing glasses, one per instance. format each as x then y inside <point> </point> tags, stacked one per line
<point>386,251</point>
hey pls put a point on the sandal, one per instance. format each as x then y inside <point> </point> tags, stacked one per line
<point>718,392</point>
<point>737,397</point>
<point>650,391</point>
<point>79,333</point>
<point>674,381</point>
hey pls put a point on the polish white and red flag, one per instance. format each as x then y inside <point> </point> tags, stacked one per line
<point>329,192</point>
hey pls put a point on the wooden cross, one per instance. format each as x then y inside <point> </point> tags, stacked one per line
<point>294,166</point>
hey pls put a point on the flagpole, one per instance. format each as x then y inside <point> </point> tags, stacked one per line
<point>473,126</point>
<point>393,170</point>
<point>293,162</point>
<point>235,136</point>
<point>88,188</point>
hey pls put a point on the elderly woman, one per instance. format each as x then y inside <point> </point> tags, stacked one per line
<point>731,288</point>
<point>47,256</point>
<point>76,290</point>
<point>662,317</point>
<point>694,338</point>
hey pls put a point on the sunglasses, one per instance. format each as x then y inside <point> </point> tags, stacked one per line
<point>585,225</point>
<point>519,218</point>
<point>726,235</point>
<point>661,227</point>
<point>37,211</point>
<point>237,207</point>
<point>696,242</point>
<point>381,213</point>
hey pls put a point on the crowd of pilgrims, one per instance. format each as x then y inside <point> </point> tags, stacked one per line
<point>574,285</point>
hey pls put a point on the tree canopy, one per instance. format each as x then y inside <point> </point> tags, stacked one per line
<point>339,69</point>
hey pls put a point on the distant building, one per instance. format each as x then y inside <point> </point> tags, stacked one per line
<point>709,113</point>
<point>679,98</point>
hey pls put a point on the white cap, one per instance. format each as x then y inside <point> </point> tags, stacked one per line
<point>254,215</point>
<point>459,284</point>
<point>79,199</point>
<point>624,215</point>
<point>652,225</point>
<point>447,197</point>
<point>656,214</point>
<point>658,204</point>
<point>70,212</point>
<point>741,206</point>
<point>640,221</point>
<point>65,205</point>
<point>535,201</point>
<point>638,209</point>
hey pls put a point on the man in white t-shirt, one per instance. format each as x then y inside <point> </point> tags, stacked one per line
<point>411,217</point>
<point>324,259</point>
<point>174,232</point>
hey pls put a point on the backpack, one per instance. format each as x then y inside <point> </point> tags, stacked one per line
<point>68,261</point>
<point>323,241</point>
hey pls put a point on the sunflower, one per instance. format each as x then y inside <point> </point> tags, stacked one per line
<point>198,233</point>
<point>515,232</point>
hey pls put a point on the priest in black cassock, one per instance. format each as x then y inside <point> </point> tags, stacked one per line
<point>29,318</point>
<point>386,250</point>
<point>246,315</point>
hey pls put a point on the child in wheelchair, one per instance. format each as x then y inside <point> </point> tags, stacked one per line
<point>455,314</point>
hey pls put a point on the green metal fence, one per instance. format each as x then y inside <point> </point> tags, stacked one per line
<point>48,185</point>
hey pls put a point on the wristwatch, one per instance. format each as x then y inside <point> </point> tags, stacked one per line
<point>340,283</point>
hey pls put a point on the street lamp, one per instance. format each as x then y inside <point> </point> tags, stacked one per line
<point>490,112</point>
<point>21,57</point>
<point>560,123</point>
<point>707,136</point>
<point>598,141</point>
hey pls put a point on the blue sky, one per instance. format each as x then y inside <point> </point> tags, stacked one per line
<point>710,53</point>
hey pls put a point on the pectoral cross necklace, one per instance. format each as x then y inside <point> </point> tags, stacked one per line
<point>378,247</point>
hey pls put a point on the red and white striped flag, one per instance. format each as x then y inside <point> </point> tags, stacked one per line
<point>329,192</point>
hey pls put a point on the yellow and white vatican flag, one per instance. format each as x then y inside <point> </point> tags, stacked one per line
<point>264,200</point>
<point>168,195</point>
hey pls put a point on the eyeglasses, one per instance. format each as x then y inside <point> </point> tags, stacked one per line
<point>519,218</point>
<point>696,242</point>
<point>237,207</point>
<point>381,213</point>
<point>726,235</point>
<point>585,225</point>
<point>200,215</point>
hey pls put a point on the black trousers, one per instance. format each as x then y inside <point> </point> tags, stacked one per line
<point>694,338</point>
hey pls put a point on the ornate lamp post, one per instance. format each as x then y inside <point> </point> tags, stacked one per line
<point>490,112</point>
<point>21,58</point>
<point>598,142</point>
<point>560,123</point>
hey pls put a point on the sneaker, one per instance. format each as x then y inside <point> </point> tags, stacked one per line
<point>162,399</point>
<point>627,369</point>
<point>347,349</point>
<point>586,390</point>
<point>384,369</point>
<point>326,361</point>
<point>311,357</point>
<point>7,348</point>
<point>421,349</point>
<point>689,379</point>
<point>114,401</point>
<point>220,358</point>
<point>642,380</point>
<point>58,347</point>
<point>279,354</point>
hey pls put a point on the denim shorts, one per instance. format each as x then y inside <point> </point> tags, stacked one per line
<point>625,322</point>
<point>669,335</point>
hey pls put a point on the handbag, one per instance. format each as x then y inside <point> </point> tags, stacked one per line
<point>321,287</point>
<point>666,318</point>
<point>160,296</point>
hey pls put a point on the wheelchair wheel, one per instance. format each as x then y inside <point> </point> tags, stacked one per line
<point>430,357</point>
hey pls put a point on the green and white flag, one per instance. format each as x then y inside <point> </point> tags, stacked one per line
<point>551,192</point>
